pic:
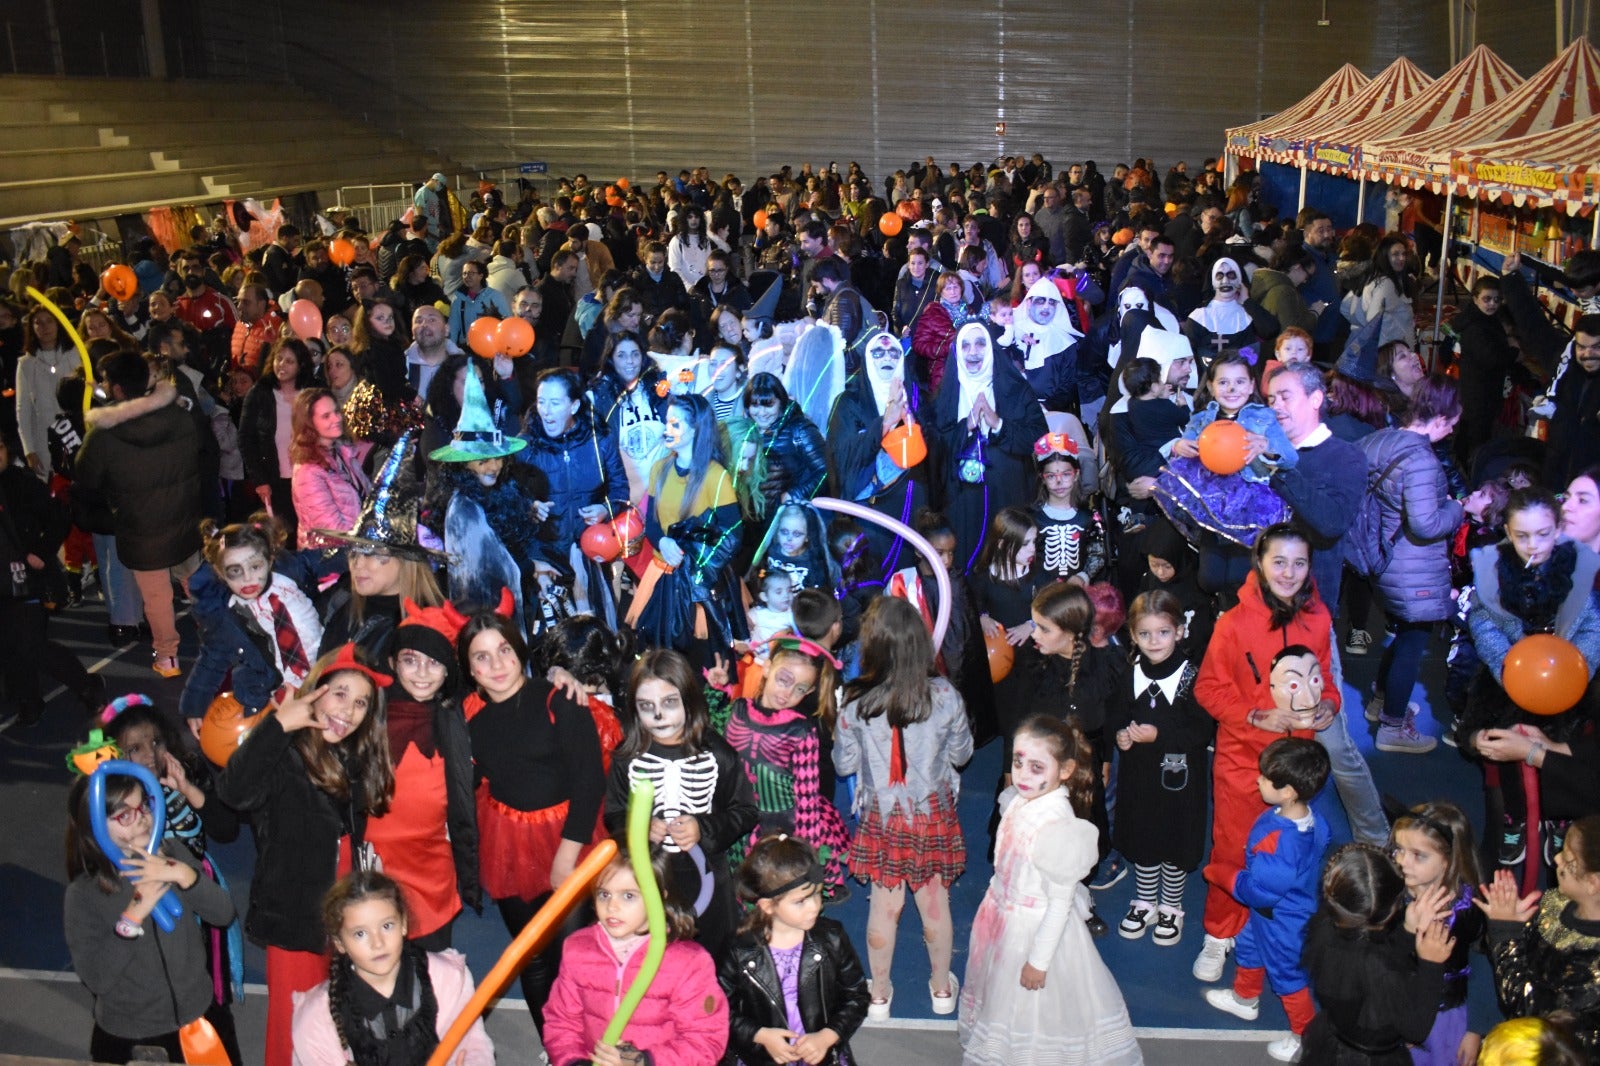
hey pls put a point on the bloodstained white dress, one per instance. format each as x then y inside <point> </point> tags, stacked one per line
<point>1034,912</point>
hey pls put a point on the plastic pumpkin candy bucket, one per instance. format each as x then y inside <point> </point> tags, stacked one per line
<point>905,445</point>
<point>223,727</point>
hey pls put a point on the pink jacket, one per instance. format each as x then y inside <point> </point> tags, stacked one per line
<point>329,499</point>
<point>682,1020</point>
<point>316,1041</point>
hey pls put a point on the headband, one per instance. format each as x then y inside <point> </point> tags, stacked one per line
<point>1434,824</point>
<point>812,876</point>
<point>1055,444</point>
<point>804,647</point>
<point>345,659</point>
<point>122,703</point>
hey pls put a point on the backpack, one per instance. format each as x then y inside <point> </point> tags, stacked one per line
<point>1366,550</point>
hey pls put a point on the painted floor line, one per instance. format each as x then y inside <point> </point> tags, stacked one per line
<point>60,690</point>
<point>1251,1036</point>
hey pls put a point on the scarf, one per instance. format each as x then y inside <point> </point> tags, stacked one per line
<point>400,1030</point>
<point>974,382</point>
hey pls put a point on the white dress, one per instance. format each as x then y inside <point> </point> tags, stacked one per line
<point>1042,853</point>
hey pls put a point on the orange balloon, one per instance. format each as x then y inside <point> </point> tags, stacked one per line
<point>629,525</point>
<point>1223,448</point>
<point>223,727</point>
<point>624,184</point>
<point>890,224</point>
<point>305,318</point>
<point>1544,674</point>
<point>483,337</point>
<point>760,219</point>
<point>342,252</point>
<point>1001,655</point>
<point>120,281</point>
<point>599,542</point>
<point>515,336</point>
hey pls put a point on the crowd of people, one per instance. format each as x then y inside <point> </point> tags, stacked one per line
<point>460,593</point>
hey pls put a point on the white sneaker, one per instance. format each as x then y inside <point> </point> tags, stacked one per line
<point>1226,999</point>
<point>879,1012</point>
<point>1285,1049</point>
<point>1213,954</point>
<point>945,1004</point>
<point>1138,920</point>
<point>1359,642</point>
<point>1169,926</point>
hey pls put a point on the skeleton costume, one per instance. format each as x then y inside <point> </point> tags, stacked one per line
<point>711,785</point>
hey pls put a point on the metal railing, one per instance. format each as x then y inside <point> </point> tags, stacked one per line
<point>376,205</point>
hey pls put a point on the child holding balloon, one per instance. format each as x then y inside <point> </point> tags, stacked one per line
<point>1535,582</point>
<point>682,1019</point>
<point>148,983</point>
<point>387,1001</point>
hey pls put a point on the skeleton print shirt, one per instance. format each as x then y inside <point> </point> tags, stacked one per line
<point>1070,542</point>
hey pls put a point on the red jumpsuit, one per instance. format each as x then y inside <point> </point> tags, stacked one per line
<point>1234,680</point>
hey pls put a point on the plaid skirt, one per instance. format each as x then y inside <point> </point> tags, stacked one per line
<point>897,848</point>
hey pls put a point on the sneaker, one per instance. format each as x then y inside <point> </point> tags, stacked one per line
<point>166,666</point>
<point>1513,844</point>
<point>878,1010</point>
<point>1449,735</point>
<point>1551,837</point>
<point>1374,708</point>
<point>1169,926</point>
<point>1285,1049</point>
<point>1213,953</point>
<point>1137,920</point>
<point>1405,739</point>
<point>944,1003</point>
<point>1227,1000</point>
<point>1097,925</point>
<point>1111,871</point>
<point>1359,642</point>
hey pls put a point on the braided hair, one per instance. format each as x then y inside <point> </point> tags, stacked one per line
<point>410,1033</point>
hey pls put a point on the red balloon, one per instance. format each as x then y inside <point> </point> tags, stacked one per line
<point>342,252</point>
<point>1223,448</point>
<point>514,336</point>
<point>629,525</point>
<point>483,337</point>
<point>599,542</point>
<point>1001,654</point>
<point>224,726</point>
<point>305,318</point>
<point>890,225</point>
<point>1544,674</point>
<point>120,281</point>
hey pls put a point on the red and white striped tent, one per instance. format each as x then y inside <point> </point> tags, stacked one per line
<point>1559,167</point>
<point>1339,86</point>
<point>1564,91</point>
<point>1393,87</point>
<point>1465,89</point>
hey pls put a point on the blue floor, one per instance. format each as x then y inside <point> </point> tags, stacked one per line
<point>1155,981</point>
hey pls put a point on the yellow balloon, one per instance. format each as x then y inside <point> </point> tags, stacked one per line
<point>83,349</point>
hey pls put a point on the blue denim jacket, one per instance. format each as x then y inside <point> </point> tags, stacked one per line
<point>1257,418</point>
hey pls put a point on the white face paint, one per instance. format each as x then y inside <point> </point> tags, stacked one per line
<point>659,707</point>
<point>1226,281</point>
<point>246,572</point>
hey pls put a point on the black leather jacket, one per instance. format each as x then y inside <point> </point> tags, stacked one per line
<point>796,460</point>
<point>833,991</point>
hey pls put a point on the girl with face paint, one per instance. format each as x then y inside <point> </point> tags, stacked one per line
<point>703,800</point>
<point>255,616</point>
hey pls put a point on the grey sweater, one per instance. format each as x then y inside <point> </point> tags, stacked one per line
<point>135,983</point>
<point>933,750</point>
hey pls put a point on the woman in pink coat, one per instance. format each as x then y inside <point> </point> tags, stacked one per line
<point>683,1018</point>
<point>327,482</point>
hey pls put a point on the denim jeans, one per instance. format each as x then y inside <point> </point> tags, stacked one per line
<point>123,602</point>
<point>1351,775</point>
<point>1402,661</point>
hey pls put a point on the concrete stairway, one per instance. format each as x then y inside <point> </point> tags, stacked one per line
<point>82,148</point>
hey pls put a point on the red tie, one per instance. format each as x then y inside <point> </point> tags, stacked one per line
<point>290,649</point>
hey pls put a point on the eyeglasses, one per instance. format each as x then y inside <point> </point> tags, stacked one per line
<point>130,815</point>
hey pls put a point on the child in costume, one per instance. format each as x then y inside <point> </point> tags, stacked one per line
<point>582,653</point>
<point>682,1019</point>
<point>798,545</point>
<point>794,983</point>
<point>258,625</point>
<point>387,1000</point>
<point>1170,567</point>
<point>1282,861</point>
<point>1071,543</point>
<point>704,803</point>
<point>780,750</point>
<point>1433,848</point>
<point>1163,777</point>
<point>1037,992</point>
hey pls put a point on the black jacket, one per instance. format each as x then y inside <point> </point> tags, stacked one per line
<point>258,428</point>
<point>148,469</point>
<point>796,459</point>
<point>297,830</point>
<point>461,805</point>
<point>833,991</point>
<point>31,523</point>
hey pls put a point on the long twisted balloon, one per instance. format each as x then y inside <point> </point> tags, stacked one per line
<point>640,805</point>
<point>77,341</point>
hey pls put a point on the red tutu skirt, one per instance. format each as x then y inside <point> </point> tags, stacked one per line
<point>516,848</point>
<point>897,849</point>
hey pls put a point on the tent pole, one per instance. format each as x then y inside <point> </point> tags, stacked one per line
<point>1594,229</point>
<point>1361,200</point>
<point>1303,174</point>
<point>1444,263</point>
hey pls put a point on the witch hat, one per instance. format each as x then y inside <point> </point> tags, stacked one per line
<point>1359,360</point>
<point>476,436</point>
<point>387,524</point>
<point>765,309</point>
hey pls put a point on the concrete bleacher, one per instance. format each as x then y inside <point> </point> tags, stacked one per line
<point>81,147</point>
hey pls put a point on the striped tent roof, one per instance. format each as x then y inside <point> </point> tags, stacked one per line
<point>1465,89</point>
<point>1335,90</point>
<point>1398,83</point>
<point>1559,167</point>
<point>1565,90</point>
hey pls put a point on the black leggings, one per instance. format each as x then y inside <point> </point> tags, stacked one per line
<point>103,1047</point>
<point>539,973</point>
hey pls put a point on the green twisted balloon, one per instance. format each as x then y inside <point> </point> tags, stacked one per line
<point>641,804</point>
